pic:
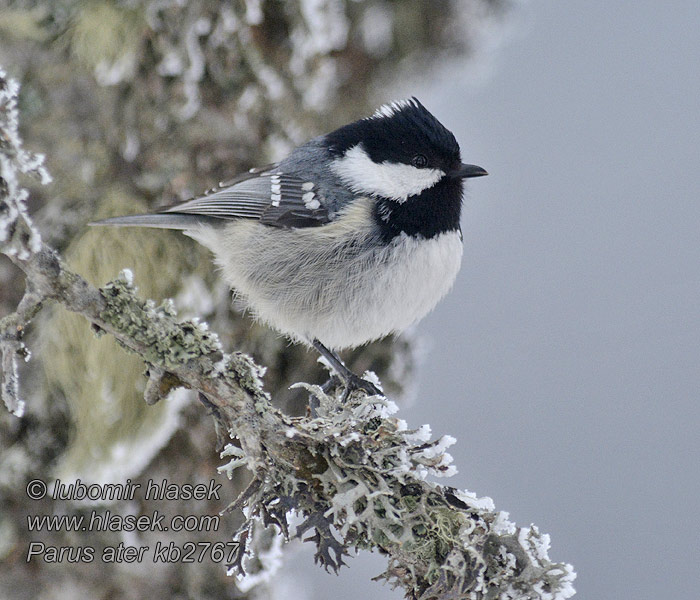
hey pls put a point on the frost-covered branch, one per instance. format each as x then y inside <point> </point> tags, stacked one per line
<point>17,237</point>
<point>354,475</point>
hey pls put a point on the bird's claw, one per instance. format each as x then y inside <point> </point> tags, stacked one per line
<point>333,382</point>
<point>353,382</point>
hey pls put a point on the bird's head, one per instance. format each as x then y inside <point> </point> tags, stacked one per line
<point>398,153</point>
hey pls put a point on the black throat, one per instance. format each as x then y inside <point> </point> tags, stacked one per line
<point>434,211</point>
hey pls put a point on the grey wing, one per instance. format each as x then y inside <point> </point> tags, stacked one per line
<point>271,196</point>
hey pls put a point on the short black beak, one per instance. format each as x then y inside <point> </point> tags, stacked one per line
<point>465,171</point>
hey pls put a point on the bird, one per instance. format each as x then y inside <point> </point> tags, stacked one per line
<point>353,236</point>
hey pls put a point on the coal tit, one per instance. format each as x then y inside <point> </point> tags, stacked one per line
<point>354,236</point>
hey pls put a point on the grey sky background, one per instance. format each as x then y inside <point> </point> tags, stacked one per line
<point>567,359</point>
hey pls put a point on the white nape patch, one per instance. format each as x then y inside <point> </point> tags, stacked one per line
<point>389,110</point>
<point>396,181</point>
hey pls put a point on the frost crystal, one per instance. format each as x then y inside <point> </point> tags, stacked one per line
<point>238,460</point>
<point>18,237</point>
<point>363,484</point>
<point>264,560</point>
<point>13,160</point>
<point>10,384</point>
<point>128,276</point>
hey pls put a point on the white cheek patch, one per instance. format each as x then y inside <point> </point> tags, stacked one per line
<point>396,181</point>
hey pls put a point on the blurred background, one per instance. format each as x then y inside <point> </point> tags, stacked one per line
<point>566,361</point>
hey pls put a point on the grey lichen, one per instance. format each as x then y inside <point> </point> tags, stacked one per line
<point>161,341</point>
<point>356,475</point>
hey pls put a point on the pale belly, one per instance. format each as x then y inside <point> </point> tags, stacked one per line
<point>334,283</point>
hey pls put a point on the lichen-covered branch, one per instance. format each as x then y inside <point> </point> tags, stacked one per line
<point>354,474</point>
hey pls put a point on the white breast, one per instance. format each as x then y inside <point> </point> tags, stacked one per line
<point>410,278</point>
<point>335,283</point>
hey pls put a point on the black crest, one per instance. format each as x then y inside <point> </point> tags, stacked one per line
<point>399,132</point>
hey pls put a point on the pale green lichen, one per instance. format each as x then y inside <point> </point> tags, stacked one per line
<point>358,482</point>
<point>245,372</point>
<point>164,343</point>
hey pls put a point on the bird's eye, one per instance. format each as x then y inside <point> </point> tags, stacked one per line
<point>420,161</point>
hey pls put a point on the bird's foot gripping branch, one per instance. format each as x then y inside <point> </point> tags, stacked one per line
<point>354,475</point>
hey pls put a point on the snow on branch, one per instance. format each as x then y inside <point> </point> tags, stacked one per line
<point>354,476</point>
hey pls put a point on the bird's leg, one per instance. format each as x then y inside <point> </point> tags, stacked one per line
<point>352,381</point>
<point>333,381</point>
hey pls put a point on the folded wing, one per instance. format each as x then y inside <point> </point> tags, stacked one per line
<point>268,195</point>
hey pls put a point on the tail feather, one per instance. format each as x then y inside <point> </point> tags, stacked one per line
<point>159,221</point>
